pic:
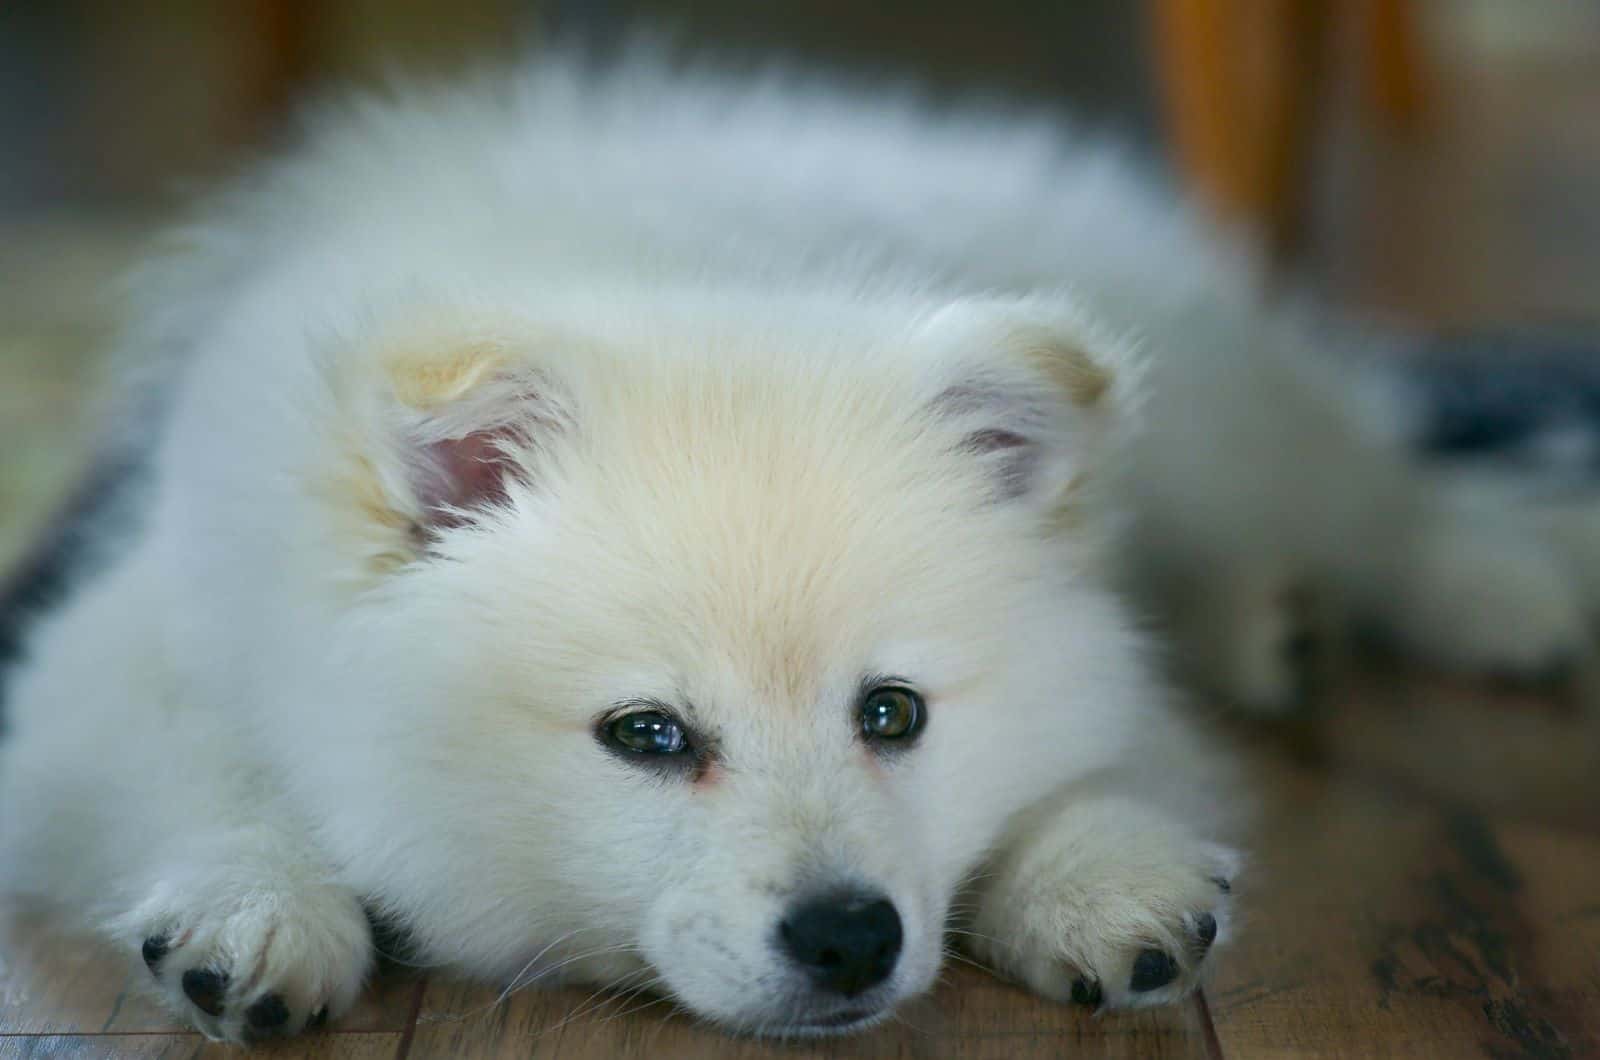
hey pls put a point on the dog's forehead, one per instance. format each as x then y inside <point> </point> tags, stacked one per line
<point>769,542</point>
<point>747,601</point>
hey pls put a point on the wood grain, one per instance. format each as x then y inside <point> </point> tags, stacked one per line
<point>191,1047</point>
<point>1558,896</point>
<point>971,1015</point>
<point>53,981</point>
<point>94,1047</point>
<point>1384,925</point>
<point>1516,753</point>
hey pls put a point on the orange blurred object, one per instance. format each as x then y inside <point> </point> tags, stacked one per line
<point>1241,82</point>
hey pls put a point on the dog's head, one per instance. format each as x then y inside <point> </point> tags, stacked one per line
<point>715,658</point>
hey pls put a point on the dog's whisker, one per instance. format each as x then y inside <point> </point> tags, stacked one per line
<point>516,980</point>
<point>974,934</point>
<point>899,1017</point>
<point>519,983</point>
<point>605,994</point>
<point>635,992</point>
<point>603,951</point>
<point>963,959</point>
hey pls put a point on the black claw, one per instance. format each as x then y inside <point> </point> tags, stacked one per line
<point>1152,970</point>
<point>155,947</point>
<point>267,1014</point>
<point>1205,929</point>
<point>319,1019</point>
<point>1222,885</point>
<point>1086,991</point>
<point>205,988</point>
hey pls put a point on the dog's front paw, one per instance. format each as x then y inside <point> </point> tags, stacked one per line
<point>1132,927</point>
<point>245,961</point>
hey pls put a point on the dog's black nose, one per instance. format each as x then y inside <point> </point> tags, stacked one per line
<point>847,941</point>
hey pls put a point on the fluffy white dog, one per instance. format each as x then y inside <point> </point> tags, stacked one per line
<point>651,528</point>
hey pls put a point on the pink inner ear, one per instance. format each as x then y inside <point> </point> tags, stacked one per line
<point>1015,458</point>
<point>465,473</point>
<point>995,440</point>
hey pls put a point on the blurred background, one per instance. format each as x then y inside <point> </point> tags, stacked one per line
<point>1430,161</point>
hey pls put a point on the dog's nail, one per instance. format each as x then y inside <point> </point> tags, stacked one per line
<point>205,988</point>
<point>1222,885</point>
<point>1205,929</point>
<point>1086,992</point>
<point>268,1014</point>
<point>155,947</point>
<point>319,1019</point>
<point>1152,970</point>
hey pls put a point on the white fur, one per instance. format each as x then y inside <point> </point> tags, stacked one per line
<point>738,331</point>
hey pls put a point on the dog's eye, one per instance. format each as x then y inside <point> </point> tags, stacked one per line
<point>891,713</point>
<point>647,732</point>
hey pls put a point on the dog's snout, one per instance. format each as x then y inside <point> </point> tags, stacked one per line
<point>847,941</point>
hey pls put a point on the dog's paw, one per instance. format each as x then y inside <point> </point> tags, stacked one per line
<point>1490,604</point>
<point>244,962</point>
<point>1253,636</point>
<point>1130,931</point>
<point>1267,661</point>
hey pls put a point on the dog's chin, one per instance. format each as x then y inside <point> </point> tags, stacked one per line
<point>841,1020</point>
<point>792,1008</point>
<point>848,1021</point>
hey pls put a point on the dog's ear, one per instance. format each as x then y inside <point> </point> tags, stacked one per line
<point>438,432</point>
<point>469,424</point>
<point>1034,391</point>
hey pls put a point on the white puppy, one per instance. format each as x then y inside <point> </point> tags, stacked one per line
<point>653,529</point>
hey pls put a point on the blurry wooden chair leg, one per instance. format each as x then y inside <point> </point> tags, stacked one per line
<point>1239,81</point>
<point>1395,67</point>
<point>274,56</point>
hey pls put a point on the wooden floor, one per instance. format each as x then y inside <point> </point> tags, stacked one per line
<point>1426,873</point>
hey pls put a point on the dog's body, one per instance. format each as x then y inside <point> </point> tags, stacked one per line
<point>519,424</point>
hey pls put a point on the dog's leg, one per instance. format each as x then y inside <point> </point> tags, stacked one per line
<point>1102,900</point>
<point>123,794</point>
<point>1484,594</point>
<point>1572,532</point>
<point>1247,632</point>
